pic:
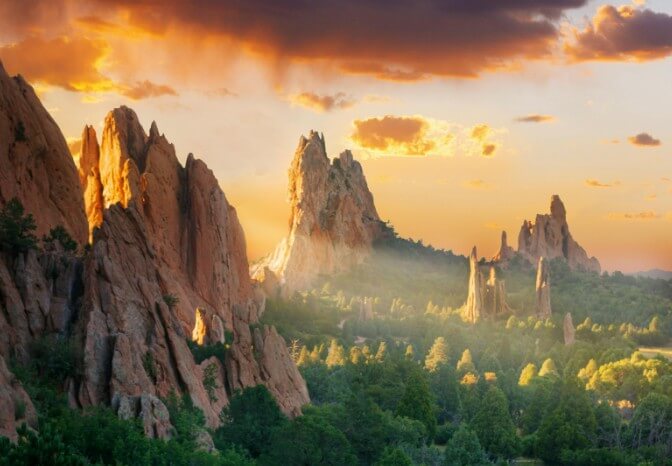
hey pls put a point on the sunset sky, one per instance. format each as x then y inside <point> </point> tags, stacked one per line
<point>467,115</point>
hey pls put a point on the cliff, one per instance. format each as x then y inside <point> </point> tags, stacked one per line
<point>333,221</point>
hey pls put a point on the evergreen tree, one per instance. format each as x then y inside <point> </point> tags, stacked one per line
<point>336,354</point>
<point>464,449</point>
<point>382,352</point>
<point>494,426</point>
<point>527,374</point>
<point>394,457</point>
<point>466,363</point>
<point>548,368</point>
<point>437,355</point>
<point>446,390</point>
<point>16,229</point>
<point>417,403</point>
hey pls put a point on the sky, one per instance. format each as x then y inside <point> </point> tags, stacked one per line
<point>467,115</point>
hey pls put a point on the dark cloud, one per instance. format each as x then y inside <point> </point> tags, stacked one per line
<point>391,39</point>
<point>322,103</point>
<point>621,34</point>
<point>644,139</point>
<point>535,119</point>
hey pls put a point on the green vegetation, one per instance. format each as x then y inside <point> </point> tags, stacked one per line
<point>60,235</point>
<point>16,228</point>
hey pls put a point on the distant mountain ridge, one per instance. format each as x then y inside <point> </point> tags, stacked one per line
<point>654,273</point>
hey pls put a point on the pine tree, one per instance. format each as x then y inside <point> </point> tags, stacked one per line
<point>494,426</point>
<point>417,403</point>
<point>336,354</point>
<point>466,363</point>
<point>528,373</point>
<point>548,368</point>
<point>437,355</point>
<point>382,352</point>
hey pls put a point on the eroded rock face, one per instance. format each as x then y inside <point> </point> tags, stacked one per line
<point>473,309</point>
<point>485,298</point>
<point>543,290</point>
<point>169,264</point>
<point>333,220</point>
<point>549,237</point>
<point>568,329</point>
<point>35,163</point>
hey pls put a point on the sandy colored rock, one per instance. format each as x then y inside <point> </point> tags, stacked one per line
<point>333,221</point>
<point>473,309</point>
<point>543,290</point>
<point>505,252</point>
<point>549,237</point>
<point>569,331</point>
<point>494,297</point>
<point>365,309</point>
<point>35,163</point>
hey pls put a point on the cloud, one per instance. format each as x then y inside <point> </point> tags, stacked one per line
<point>622,34</point>
<point>643,216</point>
<point>477,184</point>
<point>322,103</point>
<point>417,135</point>
<point>644,139</point>
<point>388,39</point>
<point>75,145</point>
<point>593,183</point>
<point>408,135</point>
<point>71,64</point>
<point>221,92</point>
<point>146,89</point>
<point>535,119</point>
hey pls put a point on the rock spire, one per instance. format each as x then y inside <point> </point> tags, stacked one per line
<point>543,290</point>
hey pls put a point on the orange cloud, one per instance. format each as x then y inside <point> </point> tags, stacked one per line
<point>477,184</point>
<point>322,103</point>
<point>535,119</point>
<point>622,34</point>
<point>644,139</point>
<point>418,136</point>
<point>71,64</point>
<point>646,215</point>
<point>593,183</point>
<point>391,133</point>
<point>146,89</point>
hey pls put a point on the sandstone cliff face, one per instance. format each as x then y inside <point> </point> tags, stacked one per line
<point>165,243</point>
<point>168,263</point>
<point>333,220</point>
<point>549,237</point>
<point>543,290</point>
<point>35,163</point>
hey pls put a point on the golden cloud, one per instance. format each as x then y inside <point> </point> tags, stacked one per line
<point>622,34</point>
<point>593,183</point>
<point>644,216</point>
<point>146,89</point>
<point>71,64</point>
<point>419,136</point>
<point>644,139</point>
<point>322,103</point>
<point>477,184</point>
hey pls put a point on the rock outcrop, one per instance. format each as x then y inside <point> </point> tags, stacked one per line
<point>549,237</point>
<point>543,290</point>
<point>365,309</point>
<point>505,252</point>
<point>165,242</point>
<point>168,264</point>
<point>473,309</point>
<point>333,221</point>
<point>569,331</point>
<point>485,298</point>
<point>35,163</point>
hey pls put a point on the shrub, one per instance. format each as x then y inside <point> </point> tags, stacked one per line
<point>171,300</point>
<point>55,358</point>
<point>16,229</point>
<point>149,365</point>
<point>20,132</point>
<point>61,235</point>
<point>210,381</point>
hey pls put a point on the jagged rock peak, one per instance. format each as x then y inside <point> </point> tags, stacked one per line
<point>505,252</point>
<point>549,236</point>
<point>543,290</point>
<point>35,163</point>
<point>333,219</point>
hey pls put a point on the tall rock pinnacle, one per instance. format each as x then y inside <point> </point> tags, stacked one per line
<point>474,307</point>
<point>568,329</point>
<point>485,298</point>
<point>505,252</point>
<point>35,164</point>
<point>549,237</point>
<point>543,290</point>
<point>333,221</point>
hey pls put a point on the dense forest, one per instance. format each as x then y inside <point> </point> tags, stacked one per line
<point>411,382</point>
